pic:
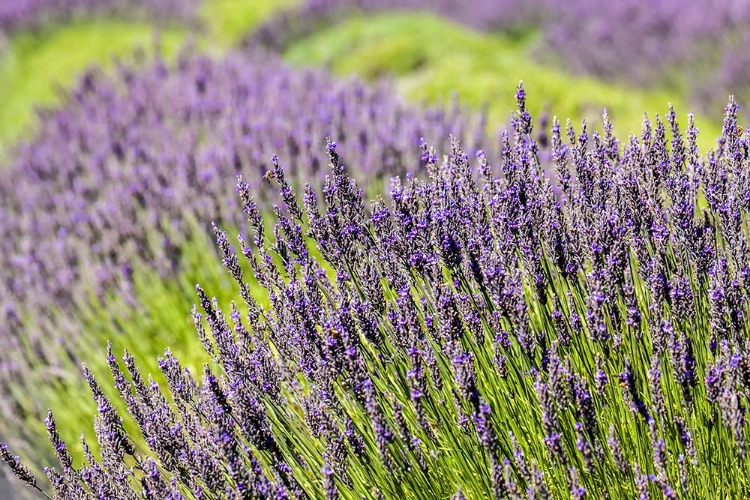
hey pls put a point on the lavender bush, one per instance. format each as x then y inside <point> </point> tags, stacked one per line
<point>487,333</point>
<point>17,15</point>
<point>661,41</point>
<point>125,175</point>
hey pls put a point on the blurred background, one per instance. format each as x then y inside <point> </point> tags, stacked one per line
<point>575,57</point>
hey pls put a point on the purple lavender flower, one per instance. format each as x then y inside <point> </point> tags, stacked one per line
<point>17,467</point>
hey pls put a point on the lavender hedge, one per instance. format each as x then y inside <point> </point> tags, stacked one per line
<point>696,44</point>
<point>127,170</point>
<point>486,333</point>
<point>17,15</point>
<point>661,41</point>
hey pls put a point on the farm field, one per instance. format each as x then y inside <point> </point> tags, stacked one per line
<point>372,249</point>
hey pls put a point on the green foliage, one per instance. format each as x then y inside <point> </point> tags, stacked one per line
<point>431,58</point>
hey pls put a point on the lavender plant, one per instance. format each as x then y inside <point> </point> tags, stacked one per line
<point>490,332</point>
<point>30,14</point>
<point>125,175</point>
<point>663,41</point>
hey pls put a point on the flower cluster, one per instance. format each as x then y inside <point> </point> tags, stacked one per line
<point>16,15</point>
<point>134,163</point>
<point>659,40</point>
<point>488,332</point>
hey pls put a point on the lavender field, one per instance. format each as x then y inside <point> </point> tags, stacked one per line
<point>333,249</point>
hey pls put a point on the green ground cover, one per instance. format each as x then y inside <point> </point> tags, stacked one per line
<point>429,58</point>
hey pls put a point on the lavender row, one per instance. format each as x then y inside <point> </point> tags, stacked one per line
<point>128,167</point>
<point>487,333</point>
<point>647,43</point>
<point>16,15</point>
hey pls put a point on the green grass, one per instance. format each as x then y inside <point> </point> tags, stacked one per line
<point>430,58</point>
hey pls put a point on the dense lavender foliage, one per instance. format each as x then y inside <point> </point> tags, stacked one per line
<point>477,336</point>
<point>124,171</point>
<point>660,40</point>
<point>24,14</point>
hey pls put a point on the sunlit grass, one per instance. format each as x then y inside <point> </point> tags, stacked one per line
<point>430,59</point>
